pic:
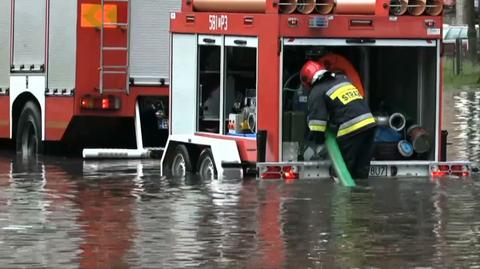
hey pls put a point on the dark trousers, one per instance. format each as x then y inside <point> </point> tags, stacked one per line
<point>357,152</point>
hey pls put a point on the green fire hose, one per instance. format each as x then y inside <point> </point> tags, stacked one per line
<point>337,160</point>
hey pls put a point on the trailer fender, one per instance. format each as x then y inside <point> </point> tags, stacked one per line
<point>222,150</point>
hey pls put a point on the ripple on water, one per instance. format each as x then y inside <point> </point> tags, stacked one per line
<point>67,213</point>
<point>462,120</point>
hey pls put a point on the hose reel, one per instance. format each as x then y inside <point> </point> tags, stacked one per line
<point>397,121</point>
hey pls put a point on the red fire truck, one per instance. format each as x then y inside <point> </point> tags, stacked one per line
<point>235,100</point>
<point>91,73</point>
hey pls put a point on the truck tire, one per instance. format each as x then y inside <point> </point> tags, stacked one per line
<point>29,131</point>
<point>206,166</point>
<point>181,163</point>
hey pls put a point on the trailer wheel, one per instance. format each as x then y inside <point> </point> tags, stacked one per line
<point>28,136</point>
<point>206,166</point>
<point>181,163</point>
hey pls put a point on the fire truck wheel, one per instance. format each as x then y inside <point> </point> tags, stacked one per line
<point>181,163</point>
<point>28,137</point>
<point>206,166</point>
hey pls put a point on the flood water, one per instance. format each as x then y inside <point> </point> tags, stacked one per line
<point>70,213</point>
<point>462,119</point>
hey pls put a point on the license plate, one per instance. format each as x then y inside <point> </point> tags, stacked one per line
<point>378,171</point>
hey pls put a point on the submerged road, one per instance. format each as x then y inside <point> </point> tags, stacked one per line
<point>69,213</point>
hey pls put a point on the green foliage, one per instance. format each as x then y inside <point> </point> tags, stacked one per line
<point>469,77</point>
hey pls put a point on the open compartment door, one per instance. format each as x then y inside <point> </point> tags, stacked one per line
<point>184,81</point>
<point>401,84</point>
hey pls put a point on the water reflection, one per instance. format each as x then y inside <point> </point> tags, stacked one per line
<point>455,236</point>
<point>64,213</point>
<point>270,249</point>
<point>36,217</point>
<point>106,219</point>
<point>462,119</point>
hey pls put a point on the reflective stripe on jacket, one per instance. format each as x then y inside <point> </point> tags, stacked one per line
<point>317,125</point>
<point>337,101</point>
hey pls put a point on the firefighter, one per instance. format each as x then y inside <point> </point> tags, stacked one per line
<point>333,99</point>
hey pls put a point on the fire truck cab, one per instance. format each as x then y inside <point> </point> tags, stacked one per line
<point>84,72</point>
<point>235,96</point>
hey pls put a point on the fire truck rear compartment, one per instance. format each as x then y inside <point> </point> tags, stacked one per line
<point>396,79</point>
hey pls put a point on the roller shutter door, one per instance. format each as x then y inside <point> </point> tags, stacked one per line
<point>29,34</point>
<point>149,39</point>
<point>62,44</point>
<point>4,44</point>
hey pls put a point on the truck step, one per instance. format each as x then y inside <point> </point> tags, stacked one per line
<point>114,90</point>
<point>115,48</point>
<point>121,24</point>
<point>115,67</point>
<point>114,72</point>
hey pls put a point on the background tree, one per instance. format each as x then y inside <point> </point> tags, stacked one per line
<point>471,17</point>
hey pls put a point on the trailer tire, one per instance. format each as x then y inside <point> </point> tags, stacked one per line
<point>206,166</point>
<point>29,131</point>
<point>181,163</point>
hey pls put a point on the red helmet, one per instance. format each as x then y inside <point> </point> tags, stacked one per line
<point>311,71</point>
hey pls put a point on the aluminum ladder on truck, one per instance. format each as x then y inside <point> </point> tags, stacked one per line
<point>121,71</point>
